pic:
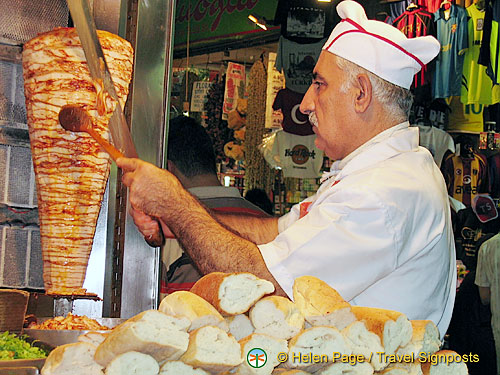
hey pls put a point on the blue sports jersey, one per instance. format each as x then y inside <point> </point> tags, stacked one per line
<point>452,34</point>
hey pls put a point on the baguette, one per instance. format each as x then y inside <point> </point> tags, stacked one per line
<point>212,349</point>
<point>320,304</point>
<point>339,368</point>
<point>322,341</point>
<point>445,362</point>
<point>270,345</point>
<point>151,332</point>
<point>366,343</point>
<point>425,339</point>
<point>180,368</point>
<point>72,359</point>
<point>277,317</point>
<point>393,327</point>
<point>133,363</point>
<point>240,326</point>
<point>232,293</point>
<point>184,304</point>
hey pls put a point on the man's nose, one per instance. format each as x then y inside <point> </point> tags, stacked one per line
<point>307,105</point>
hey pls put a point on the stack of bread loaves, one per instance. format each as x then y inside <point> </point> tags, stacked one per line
<point>225,325</point>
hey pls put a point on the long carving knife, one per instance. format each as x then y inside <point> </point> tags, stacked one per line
<point>120,133</point>
<point>85,26</point>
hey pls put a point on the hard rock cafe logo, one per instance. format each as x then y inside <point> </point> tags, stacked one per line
<point>300,154</point>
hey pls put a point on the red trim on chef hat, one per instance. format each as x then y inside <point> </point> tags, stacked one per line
<point>378,47</point>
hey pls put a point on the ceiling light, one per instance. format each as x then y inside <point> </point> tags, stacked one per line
<point>259,21</point>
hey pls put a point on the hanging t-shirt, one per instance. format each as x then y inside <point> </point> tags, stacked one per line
<point>396,9</point>
<point>297,155</point>
<point>437,141</point>
<point>477,87</point>
<point>306,21</point>
<point>465,117</point>
<point>297,61</point>
<point>465,177</point>
<point>431,5</point>
<point>294,121</point>
<point>452,35</point>
<point>415,23</point>
<point>495,43</point>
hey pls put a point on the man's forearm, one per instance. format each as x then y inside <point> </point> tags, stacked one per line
<point>213,247</point>
<point>259,230</point>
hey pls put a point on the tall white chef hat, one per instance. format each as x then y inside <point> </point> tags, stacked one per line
<point>378,47</point>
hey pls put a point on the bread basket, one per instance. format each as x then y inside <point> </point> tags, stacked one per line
<point>13,305</point>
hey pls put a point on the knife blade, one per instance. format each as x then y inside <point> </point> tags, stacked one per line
<point>120,133</point>
<point>85,26</point>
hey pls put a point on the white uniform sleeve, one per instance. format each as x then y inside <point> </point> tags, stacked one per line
<point>350,241</point>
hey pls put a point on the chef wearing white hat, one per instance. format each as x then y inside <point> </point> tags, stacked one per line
<point>378,230</point>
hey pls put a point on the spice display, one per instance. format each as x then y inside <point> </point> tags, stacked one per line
<point>216,127</point>
<point>258,174</point>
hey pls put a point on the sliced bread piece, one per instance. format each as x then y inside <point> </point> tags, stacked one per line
<point>184,304</point>
<point>270,345</point>
<point>320,304</point>
<point>213,350</point>
<point>72,359</point>
<point>364,342</point>
<point>393,327</point>
<point>425,339</point>
<point>232,293</point>
<point>151,332</point>
<point>444,362</point>
<point>277,316</point>
<point>320,341</point>
<point>133,363</point>
<point>240,326</point>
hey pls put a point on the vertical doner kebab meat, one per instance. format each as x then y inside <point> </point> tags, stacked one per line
<point>71,168</point>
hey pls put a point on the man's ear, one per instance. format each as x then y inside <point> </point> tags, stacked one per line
<point>363,97</point>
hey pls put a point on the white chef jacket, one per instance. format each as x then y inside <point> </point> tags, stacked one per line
<point>378,230</point>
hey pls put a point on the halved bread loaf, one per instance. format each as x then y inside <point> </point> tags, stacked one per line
<point>180,368</point>
<point>364,342</point>
<point>277,316</point>
<point>447,362</point>
<point>72,359</point>
<point>232,293</point>
<point>151,332</point>
<point>133,363</point>
<point>212,349</point>
<point>425,339</point>
<point>270,345</point>
<point>339,368</point>
<point>393,327</point>
<point>320,304</point>
<point>184,304</point>
<point>240,326</point>
<point>322,341</point>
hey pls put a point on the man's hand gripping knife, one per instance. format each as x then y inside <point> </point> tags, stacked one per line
<point>148,225</point>
<point>157,193</point>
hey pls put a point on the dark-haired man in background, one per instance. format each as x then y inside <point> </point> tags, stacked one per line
<point>191,158</point>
